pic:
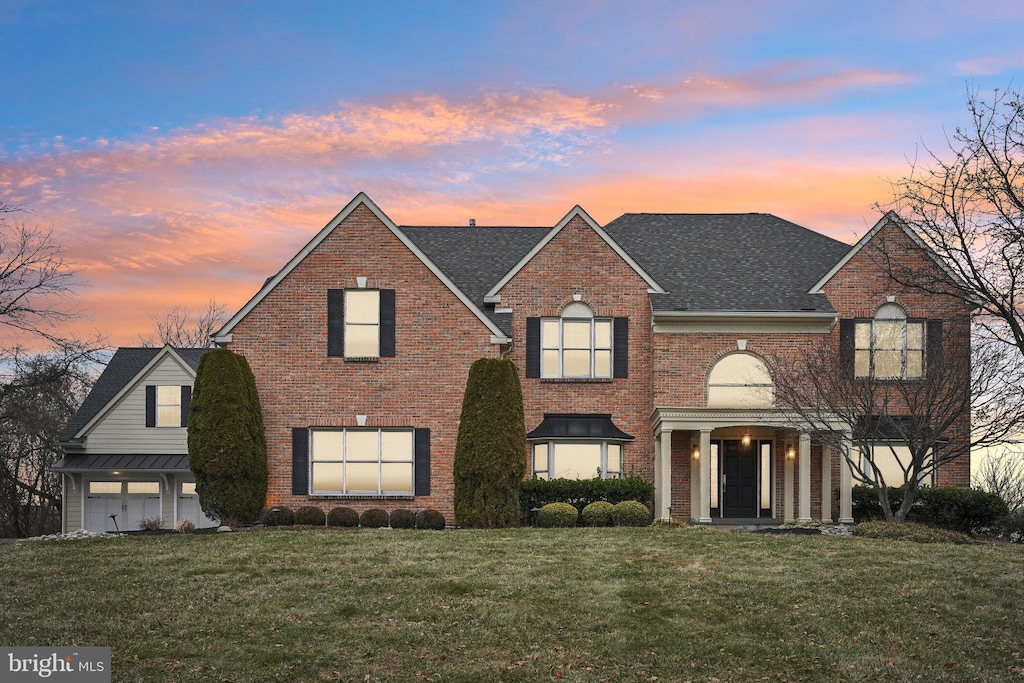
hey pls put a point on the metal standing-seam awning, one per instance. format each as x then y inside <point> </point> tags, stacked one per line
<point>592,426</point>
<point>118,461</point>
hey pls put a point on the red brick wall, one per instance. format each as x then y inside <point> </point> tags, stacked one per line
<point>437,339</point>
<point>578,261</point>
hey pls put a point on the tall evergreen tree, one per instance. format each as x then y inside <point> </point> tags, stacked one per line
<point>227,448</point>
<point>490,455</point>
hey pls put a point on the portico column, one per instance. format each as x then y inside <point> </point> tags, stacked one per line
<point>805,477</point>
<point>658,438</point>
<point>787,491</point>
<point>705,475</point>
<point>846,487</point>
<point>826,483</point>
<point>695,477</point>
<point>665,466</point>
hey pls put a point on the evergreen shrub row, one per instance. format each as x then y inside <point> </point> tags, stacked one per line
<point>536,493</point>
<point>373,518</point>
<point>946,507</point>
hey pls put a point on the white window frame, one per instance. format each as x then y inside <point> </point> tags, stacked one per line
<point>889,314</point>
<point>545,451</point>
<point>176,403</point>
<point>578,313</point>
<point>343,459</point>
<point>350,324</point>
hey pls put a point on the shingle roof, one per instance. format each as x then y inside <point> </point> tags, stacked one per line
<point>729,262</point>
<point>476,257</point>
<point>122,368</point>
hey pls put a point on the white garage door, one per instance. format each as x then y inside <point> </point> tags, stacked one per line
<point>120,505</point>
<point>188,506</point>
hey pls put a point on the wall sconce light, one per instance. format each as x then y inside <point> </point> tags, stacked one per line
<point>746,439</point>
<point>790,453</point>
<point>696,453</point>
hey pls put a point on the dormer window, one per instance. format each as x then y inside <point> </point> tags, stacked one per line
<point>576,345</point>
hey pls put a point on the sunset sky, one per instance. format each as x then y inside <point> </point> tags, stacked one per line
<point>183,150</point>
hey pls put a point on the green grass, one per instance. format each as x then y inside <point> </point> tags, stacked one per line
<point>664,604</point>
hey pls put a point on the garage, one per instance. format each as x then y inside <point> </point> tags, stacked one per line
<point>121,505</point>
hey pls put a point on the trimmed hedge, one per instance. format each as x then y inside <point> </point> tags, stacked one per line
<point>403,519</point>
<point>598,513</point>
<point>310,516</point>
<point>536,493</point>
<point>946,507</point>
<point>279,516</point>
<point>343,517</point>
<point>557,515</point>
<point>374,518</point>
<point>631,513</point>
<point>430,519</point>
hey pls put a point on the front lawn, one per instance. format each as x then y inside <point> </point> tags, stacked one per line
<point>528,604</point>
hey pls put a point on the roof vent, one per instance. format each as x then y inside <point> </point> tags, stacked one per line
<point>472,222</point>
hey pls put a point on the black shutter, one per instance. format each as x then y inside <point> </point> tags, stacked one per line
<point>933,348</point>
<point>533,347</point>
<point>620,348</point>
<point>151,406</point>
<point>387,322</point>
<point>186,401</point>
<point>335,322</point>
<point>422,460</point>
<point>847,350</point>
<point>300,461</point>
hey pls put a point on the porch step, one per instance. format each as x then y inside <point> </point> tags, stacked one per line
<point>743,523</point>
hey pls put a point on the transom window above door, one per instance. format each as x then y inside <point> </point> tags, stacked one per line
<point>576,345</point>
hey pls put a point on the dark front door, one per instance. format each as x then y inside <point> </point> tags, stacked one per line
<point>739,472</point>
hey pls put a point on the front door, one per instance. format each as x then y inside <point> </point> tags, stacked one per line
<point>739,478</point>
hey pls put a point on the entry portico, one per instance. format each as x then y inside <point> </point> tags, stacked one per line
<point>746,466</point>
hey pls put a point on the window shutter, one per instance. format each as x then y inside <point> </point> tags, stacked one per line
<point>335,322</point>
<point>387,322</point>
<point>533,347</point>
<point>151,406</point>
<point>847,350</point>
<point>422,460</point>
<point>186,402</point>
<point>934,347</point>
<point>620,350</point>
<point>300,461</point>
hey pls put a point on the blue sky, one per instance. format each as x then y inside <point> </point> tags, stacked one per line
<point>185,149</point>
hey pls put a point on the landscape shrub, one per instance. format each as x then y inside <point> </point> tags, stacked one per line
<point>279,516</point>
<point>557,515</point>
<point>1011,527</point>
<point>310,515</point>
<point>909,531</point>
<point>631,513</point>
<point>344,517</point>
<point>150,523</point>
<point>536,493</point>
<point>403,519</point>
<point>430,519</point>
<point>374,518</point>
<point>185,526</point>
<point>227,447</point>
<point>598,513</point>
<point>945,507</point>
<point>490,452</point>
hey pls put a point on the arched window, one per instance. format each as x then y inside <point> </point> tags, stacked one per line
<point>577,344</point>
<point>889,346</point>
<point>740,380</point>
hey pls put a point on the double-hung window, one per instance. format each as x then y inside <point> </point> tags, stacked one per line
<point>168,406</point>
<point>362,462</point>
<point>576,345</point>
<point>889,346</point>
<point>362,323</point>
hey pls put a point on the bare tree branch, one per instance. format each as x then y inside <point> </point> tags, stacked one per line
<point>182,327</point>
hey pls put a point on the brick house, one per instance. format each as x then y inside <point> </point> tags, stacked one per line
<point>644,348</point>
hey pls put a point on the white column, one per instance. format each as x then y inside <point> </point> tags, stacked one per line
<point>657,474</point>
<point>826,483</point>
<point>845,487</point>
<point>695,477</point>
<point>805,477</point>
<point>665,465</point>
<point>705,476</point>
<point>787,490</point>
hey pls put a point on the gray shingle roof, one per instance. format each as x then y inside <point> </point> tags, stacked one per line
<point>122,368</point>
<point>729,262</point>
<point>476,257</point>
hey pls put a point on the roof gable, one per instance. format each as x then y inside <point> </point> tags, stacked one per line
<point>576,211</point>
<point>224,334</point>
<point>889,217</point>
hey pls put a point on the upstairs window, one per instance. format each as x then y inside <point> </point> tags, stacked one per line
<point>362,323</point>
<point>576,345</point>
<point>889,346</point>
<point>167,405</point>
<point>740,380</point>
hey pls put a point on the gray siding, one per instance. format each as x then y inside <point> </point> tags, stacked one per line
<point>167,498</point>
<point>72,503</point>
<point>123,429</point>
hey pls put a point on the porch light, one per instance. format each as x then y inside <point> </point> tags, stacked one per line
<point>696,453</point>
<point>746,439</point>
<point>790,453</point>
